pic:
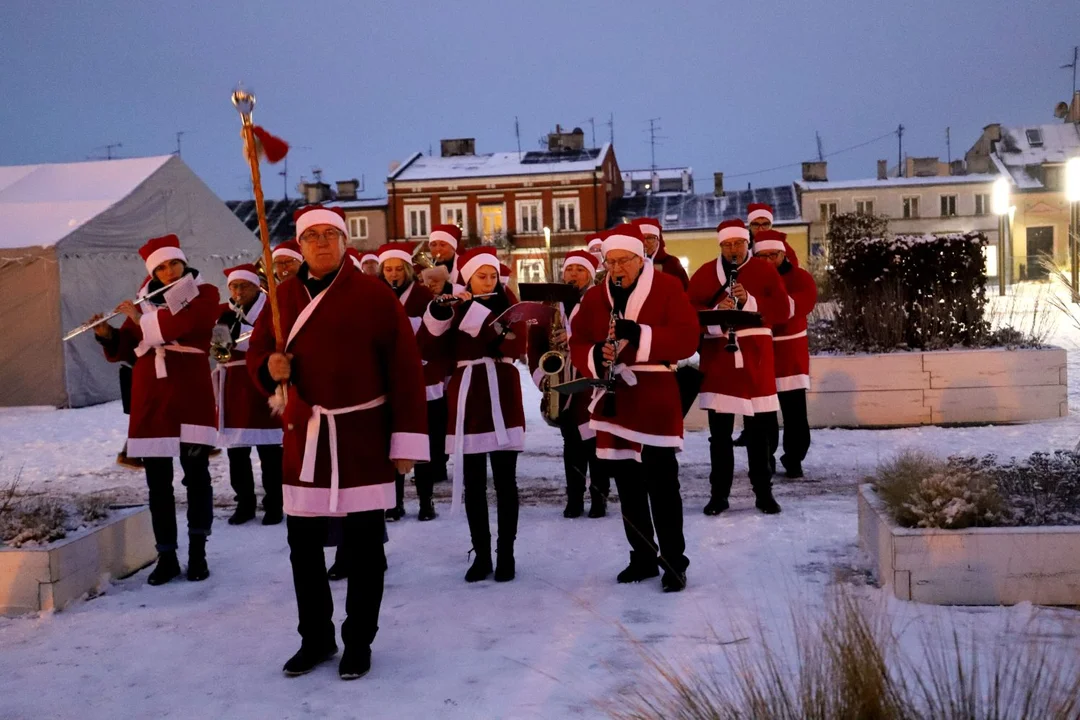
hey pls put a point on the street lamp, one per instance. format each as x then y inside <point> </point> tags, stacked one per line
<point>1072,194</point>
<point>550,271</point>
<point>999,205</point>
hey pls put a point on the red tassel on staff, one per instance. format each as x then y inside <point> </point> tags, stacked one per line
<point>269,146</point>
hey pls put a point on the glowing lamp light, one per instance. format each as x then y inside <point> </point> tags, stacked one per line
<point>1072,180</point>
<point>999,202</point>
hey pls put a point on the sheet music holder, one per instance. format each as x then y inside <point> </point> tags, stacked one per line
<point>577,386</point>
<point>737,319</point>
<point>181,294</point>
<point>529,312</point>
<point>548,293</point>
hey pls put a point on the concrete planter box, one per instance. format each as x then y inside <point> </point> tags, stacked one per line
<point>951,387</point>
<point>976,566</point>
<point>50,577</point>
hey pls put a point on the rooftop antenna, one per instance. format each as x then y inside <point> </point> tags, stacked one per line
<point>900,151</point>
<point>611,128</point>
<point>517,134</point>
<point>284,172</point>
<point>179,134</point>
<point>653,137</point>
<point>820,150</point>
<point>1073,64</point>
<point>948,146</point>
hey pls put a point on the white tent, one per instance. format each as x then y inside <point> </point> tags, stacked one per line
<point>69,240</point>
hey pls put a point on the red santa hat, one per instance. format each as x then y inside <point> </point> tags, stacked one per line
<point>475,259</point>
<point>504,273</point>
<point>161,249</point>
<point>310,215</point>
<point>649,226</point>
<point>770,241</point>
<point>366,257</point>
<point>400,250</point>
<point>584,258</point>
<point>755,211</point>
<point>447,233</point>
<point>593,241</point>
<point>247,272</point>
<point>625,237</point>
<point>289,248</point>
<point>731,230</point>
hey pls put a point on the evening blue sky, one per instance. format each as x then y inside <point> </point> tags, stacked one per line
<point>739,86</point>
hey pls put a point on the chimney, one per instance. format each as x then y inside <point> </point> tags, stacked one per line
<point>455,147</point>
<point>815,171</point>
<point>924,166</point>
<point>1074,109</point>
<point>882,169</point>
<point>561,140</point>
<point>315,192</point>
<point>718,184</point>
<point>346,189</point>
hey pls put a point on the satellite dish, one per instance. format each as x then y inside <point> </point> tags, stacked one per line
<point>1061,110</point>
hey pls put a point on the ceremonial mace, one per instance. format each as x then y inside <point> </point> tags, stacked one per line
<point>244,102</point>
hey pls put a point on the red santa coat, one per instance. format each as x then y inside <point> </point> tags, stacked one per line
<point>484,406</point>
<point>574,408</point>
<point>791,347</point>
<point>172,397</point>
<point>244,417</point>
<point>647,408</point>
<point>743,382</point>
<point>356,397</point>
<point>670,265</point>
<point>415,300</point>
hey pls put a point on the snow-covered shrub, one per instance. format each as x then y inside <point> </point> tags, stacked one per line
<point>39,519</point>
<point>906,291</point>
<point>93,506</point>
<point>897,481</point>
<point>953,499</point>
<point>1043,489</point>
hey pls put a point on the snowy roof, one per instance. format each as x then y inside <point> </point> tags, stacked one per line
<point>279,217</point>
<point>42,204</point>
<point>898,182</point>
<point>358,203</point>
<point>685,211</point>
<point>501,164</point>
<point>661,173</point>
<point>1026,145</point>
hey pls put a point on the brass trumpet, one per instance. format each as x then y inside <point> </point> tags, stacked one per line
<point>222,352</point>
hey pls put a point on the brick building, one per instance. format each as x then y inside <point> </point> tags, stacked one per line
<point>507,199</point>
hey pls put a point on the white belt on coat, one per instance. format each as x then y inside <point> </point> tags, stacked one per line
<point>311,446</point>
<point>626,373</point>
<point>497,419</point>
<point>717,332</point>
<point>219,389</point>
<point>790,337</point>
<point>159,355</point>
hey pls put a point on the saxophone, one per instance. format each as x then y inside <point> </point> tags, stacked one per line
<point>556,367</point>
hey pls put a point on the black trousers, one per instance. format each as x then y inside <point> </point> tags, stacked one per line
<point>125,388</point>
<point>434,471</point>
<point>722,451</point>
<point>796,426</point>
<point>504,471</point>
<point>242,478</point>
<point>195,461</point>
<point>579,458</point>
<point>652,484</point>
<point>362,540</point>
<point>689,380</point>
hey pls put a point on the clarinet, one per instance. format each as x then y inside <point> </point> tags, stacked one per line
<point>609,368</point>
<point>732,346</point>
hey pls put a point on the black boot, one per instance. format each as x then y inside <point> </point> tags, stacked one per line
<point>427,511</point>
<point>715,506</point>
<point>673,581</point>
<point>307,659</point>
<point>575,505</point>
<point>598,506</point>
<point>272,517</point>
<point>197,569</point>
<point>792,468</point>
<point>245,511</point>
<point>395,513</point>
<point>741,440</point>
<point>398,511</point>
<point>481,567</point>
<point>339,570</point>
<point>766,503</point>
<point>505,566</point>
<point>166,569</point>
<point>355,663</point>
<point>640,568</point>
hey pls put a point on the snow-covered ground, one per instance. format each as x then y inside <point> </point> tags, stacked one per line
<point>562,640</point>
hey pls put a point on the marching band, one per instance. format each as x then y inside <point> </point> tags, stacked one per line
<point>426,373</point>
